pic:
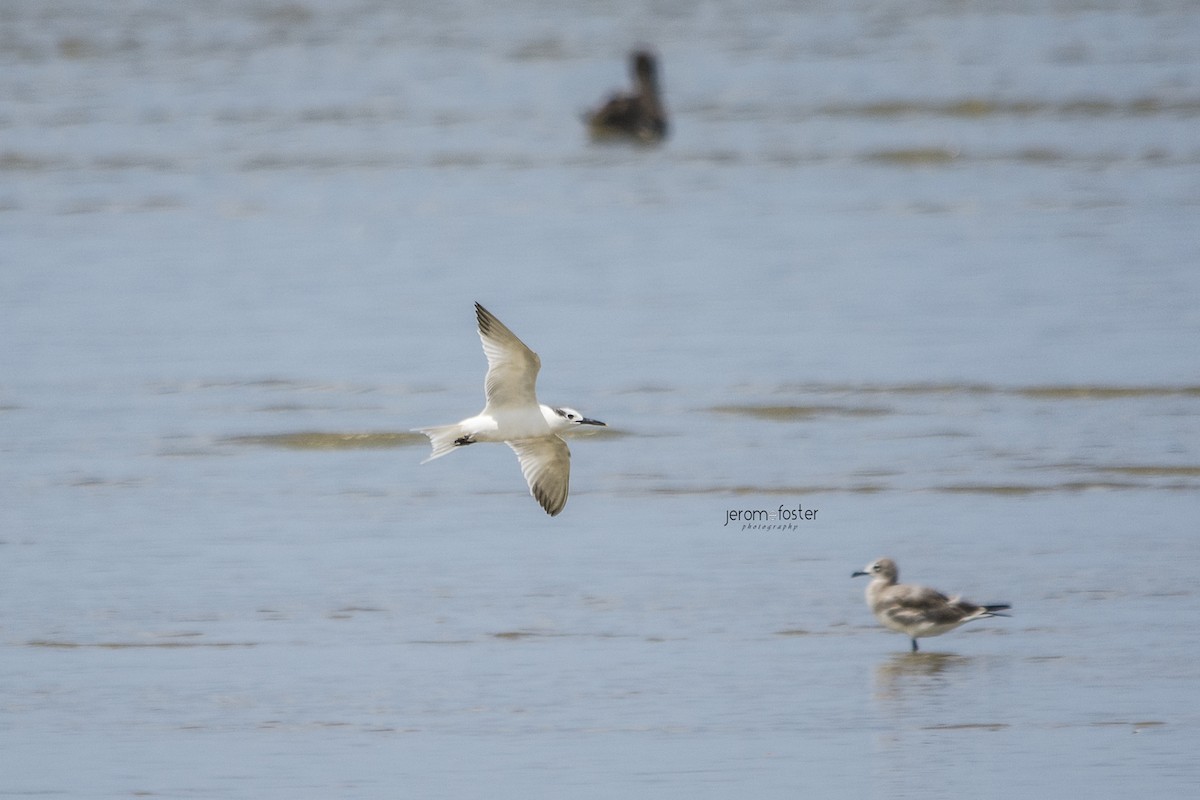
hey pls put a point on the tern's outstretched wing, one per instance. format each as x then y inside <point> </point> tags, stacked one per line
<point>546,464</point>
<point>512,367</point>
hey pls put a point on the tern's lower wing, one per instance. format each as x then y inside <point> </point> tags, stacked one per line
<point>546,464</point>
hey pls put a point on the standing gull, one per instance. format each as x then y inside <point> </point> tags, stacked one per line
<point>514,416</point>
<point>918,611</point>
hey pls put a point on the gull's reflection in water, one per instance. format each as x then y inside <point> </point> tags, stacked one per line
<point>942,701</point>
<point>909,671</point>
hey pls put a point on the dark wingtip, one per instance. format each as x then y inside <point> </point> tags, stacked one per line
<point>483,317</point>
<point>547,502</point>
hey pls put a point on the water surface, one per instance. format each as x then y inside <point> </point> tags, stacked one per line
<point>926,270</point>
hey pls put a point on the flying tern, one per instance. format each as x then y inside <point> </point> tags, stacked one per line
<point>918,611</point>
<point>514,416</point>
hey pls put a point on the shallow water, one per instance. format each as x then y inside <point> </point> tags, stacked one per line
<point>923,270</point>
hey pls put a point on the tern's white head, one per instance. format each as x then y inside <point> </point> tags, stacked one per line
<point>562,418</point>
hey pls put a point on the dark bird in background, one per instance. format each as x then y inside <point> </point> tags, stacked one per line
<point>638,116</point>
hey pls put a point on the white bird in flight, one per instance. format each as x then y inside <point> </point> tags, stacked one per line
<point>918,611</point>
<point>514,416</point>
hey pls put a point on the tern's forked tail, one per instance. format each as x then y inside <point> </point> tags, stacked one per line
<point>444,438</point>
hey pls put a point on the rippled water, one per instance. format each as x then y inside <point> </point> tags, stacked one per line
<point>925,271</point>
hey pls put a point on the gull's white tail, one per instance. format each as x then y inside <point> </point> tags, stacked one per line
<point>443,438</point>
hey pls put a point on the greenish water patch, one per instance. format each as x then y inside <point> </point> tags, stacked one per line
<point>1154,470</point>
<point>349,612</point>
<point>513,635</point>
<point>320,440</point>
<point>968,726</point>
<point>790,413</point>
<point>174,645</point>
<point>914,156</point>
<point>1085,392</point>
<point>979,108</point>
<point>1036,392</point>
<point>773,490</point>
<point>1024,489</point>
